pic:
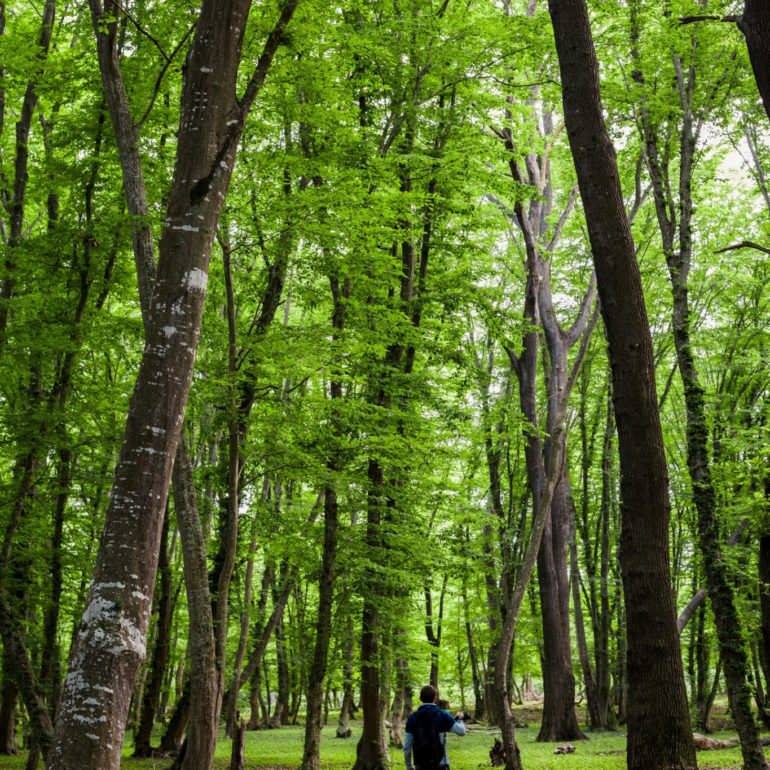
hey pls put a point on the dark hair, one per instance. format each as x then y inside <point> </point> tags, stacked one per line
<point>444,704</point>
<point>428,694</point>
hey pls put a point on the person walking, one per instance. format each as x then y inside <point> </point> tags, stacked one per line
<point>426,728</point>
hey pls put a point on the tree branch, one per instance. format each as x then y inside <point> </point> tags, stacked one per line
<point>744,245</point>
<point>730,19</point>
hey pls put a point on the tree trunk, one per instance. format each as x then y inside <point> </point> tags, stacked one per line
<point>263,635</point>
<point>764,605</point>
<point>675,223</point>
<point>433,634</point>
<point>9,697</point>
<point>246,609</point>
<point>204,698</point>
<point>50,667</point>
<point>559,717</point>
<point>755,25</point>
<point>312,752</point>
<point>402,700</point>
<point>110,642</point>
<point>371,753</point>
<point>237,755</point>
<point>478,681</point>
<point>594,714</point>
<point>659,732</point>
<point>171,741</point>
<point>151,699</point>
<point>258,715</point>
<point>280,716</point>
<point>701,658</point>
<point>347,708</point>
<point>312,759</point>
<point>604,620</point>
<point>559,722</point>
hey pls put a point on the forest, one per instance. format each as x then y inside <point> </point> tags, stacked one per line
<point>352,347</point>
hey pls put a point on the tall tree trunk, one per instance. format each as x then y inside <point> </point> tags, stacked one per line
<point>110,643</point>
<point>755,25</point>
<point>659,732</point>
<point>258,715</point>
<point>594,714</point>
<point>151,697</point>
<point>702,661</point>
<point>402,699</point>
<point>559,718</point>
<point>280,717</point>
<point>311,759</point>
<point>371,751</point>
<point>347,708</point>
<point>246,610</point>
<point>604,620</point>
<point>559,722</point>
<point>173,736</point>
<point>476,673</point>
<point>9,696</point>
<point>197,751</point>
<point>675,224</point>
<point>542,506</point>
<point>764,605</point>
<point>434,633</point>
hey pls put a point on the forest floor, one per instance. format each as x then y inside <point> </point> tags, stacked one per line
<point>282,750</point>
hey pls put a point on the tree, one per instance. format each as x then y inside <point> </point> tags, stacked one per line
<point>658,727</point>
<point>110,641</point>
<point>755,25</point>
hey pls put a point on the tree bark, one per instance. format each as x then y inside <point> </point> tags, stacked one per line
<point>311,759</point>
<point>151,696</point>
<point>204,697</point>
<point>764,604</point>
<point>347,708</point>
<point>432,634</point>
<point>659,732</point>
<point>675,224</point>
<point>755,25</point>
<point>559,722</point>
<point>237,753</point>
<point>371,753</point>
<point>9,697</point>
<point>110,642</point>
<point>559,717</point>
<point>402,699</point>
<point>594,714</point>
<point>173,737</point>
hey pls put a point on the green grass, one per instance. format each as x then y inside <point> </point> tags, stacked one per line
<point>283,749</point>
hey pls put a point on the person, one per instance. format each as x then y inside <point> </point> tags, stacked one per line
<point>426,728</point>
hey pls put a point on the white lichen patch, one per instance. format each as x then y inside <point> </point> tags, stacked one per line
<point>196,279</point>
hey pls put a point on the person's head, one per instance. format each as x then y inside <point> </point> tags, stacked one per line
<point>444,704</point>
<point>428,694</point>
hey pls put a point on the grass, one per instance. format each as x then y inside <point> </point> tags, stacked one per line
<point>282,750</point>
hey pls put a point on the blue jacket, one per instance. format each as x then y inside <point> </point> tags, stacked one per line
<point>445,723</point>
